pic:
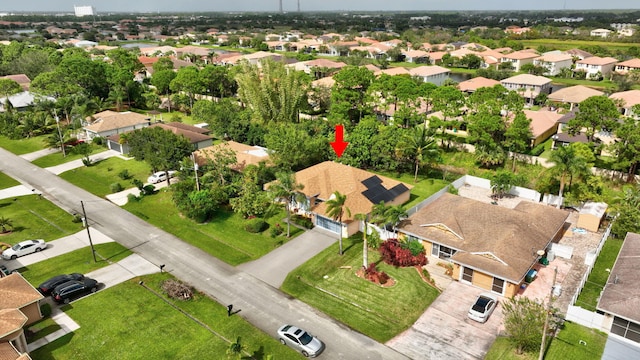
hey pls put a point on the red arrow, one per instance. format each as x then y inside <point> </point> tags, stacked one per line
<point>339,145</point>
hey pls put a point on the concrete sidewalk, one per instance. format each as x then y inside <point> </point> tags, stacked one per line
<point>14,191</point>
<point>59,169</point>
<point>38,154</point>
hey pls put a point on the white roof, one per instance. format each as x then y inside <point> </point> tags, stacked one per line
<point>596,209</point>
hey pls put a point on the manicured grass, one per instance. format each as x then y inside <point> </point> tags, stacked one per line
<point>7,181</point>
<point>128,321</point>
<point>80,261</point>
<point>566,346</point>
<point>57,158</point>
<point>567,44</point>
<point>328,283</point>
<point>422,189</point>
<point>41,329</point>
<point>34,217</point>
<point>588,298</point>
<point>98,178</point>
<point>223,236</point>
<point>23,146</point>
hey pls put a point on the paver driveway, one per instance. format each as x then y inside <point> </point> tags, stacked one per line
<point>444,332</point>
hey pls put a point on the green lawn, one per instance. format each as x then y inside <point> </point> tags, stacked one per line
<point>588,298</point>
<point>98,178</point>
<point>223,236</point>
<point>129,321</point>
<point>328,283</point>
<point>57,158</point>
<point>23,146</point>
<point>80,261</point>
<point>503,350</point>
<point>7,181</point>
<point>422,189</point>
<point>34,217</point>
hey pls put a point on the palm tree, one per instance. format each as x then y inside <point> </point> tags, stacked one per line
<point>394,214</point>
<point>5,223</point>
<point>420,147</point>
<point>335,209</point>
<point>567,162</point>
<point>365,247</point>
<point>286,188</point>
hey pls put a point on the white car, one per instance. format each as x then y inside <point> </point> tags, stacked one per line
<point>307,344</point>
<point>160,176</point>
<point>23,248</point>
<point>483,307</point>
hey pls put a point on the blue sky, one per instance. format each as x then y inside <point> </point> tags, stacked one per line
<point>311,5</point>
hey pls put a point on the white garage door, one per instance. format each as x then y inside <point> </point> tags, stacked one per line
<point>328,224</point>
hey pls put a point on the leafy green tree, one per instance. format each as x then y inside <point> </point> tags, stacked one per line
<point>419,148</point>
<point>251,200</point>
<point>288,189</point>
<point>188,81</point>
<point>596,113</point>
<point>350,98</point>
<point>272,92</point>
<point>161,149</point>
<point>361,139</point>
<point>627,148</point>
<point>218,81</point>
<point>33,62</point>
<point>523,321</point>
<point>163,63</point>
<point>162,80</point>
<point>294,148</point>
<point>567,163</point>
<point>518,135</point>
<point>383,154</point>
<point>502,182</point>
<point>628,208</point>
<point>336,209</point>
<point>9,87</point>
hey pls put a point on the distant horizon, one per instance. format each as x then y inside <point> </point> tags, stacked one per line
<point>333,6</point>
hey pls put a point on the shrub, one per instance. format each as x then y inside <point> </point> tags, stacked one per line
<point>98,141</point>
<point>124,174</point>
<point>415,247</point>
<point>133,198</point>
<point>372,274</point>
<point>276,231</point>
<point>305,222</point>
<point>256,225</point>
<point>76,218</point>
<point>394,254</point>
<point>87,162</point>
<point>116,187</point>
<point>45,309</point>
<point>539,149</point>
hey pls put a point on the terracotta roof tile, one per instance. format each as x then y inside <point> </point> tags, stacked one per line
<point>574,94</point>
<point>108,120</point>
<point>17,292</point>
<point>245,154</point>
<point>10,321</point>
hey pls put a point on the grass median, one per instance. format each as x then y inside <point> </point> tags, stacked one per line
<point>328,282</point>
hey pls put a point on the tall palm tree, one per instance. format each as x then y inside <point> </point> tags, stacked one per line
<point>336,209</point>
<point>287,188</point>
<point>420,147</point>
<point>365,247</point>
<point>394,214</point>
<point>567,163</point>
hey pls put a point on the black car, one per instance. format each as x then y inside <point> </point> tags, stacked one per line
<point>64,293</point>
<point>46,287</point>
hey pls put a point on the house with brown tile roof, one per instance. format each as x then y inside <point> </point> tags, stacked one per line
<point>620,301</point>
<point>596,67</point>
<point>491,247</point>
<point>626,66</point>
<point>245,154</point>
<point>626,100</point>
<point>415,56</point>
<point>519,58</point>
<point>363,189</point>
<point>573,95</point>
<point>198,137</point>
<point>554,63</point>
<point>543,124</point>
<point>476,83</point>
<point>19,307</point>
<point>109,123</point>
<point>392,71</point>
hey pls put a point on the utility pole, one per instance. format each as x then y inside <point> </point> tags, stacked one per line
<point>86,224</point>
<point>546,318</point>
<point>59,133</point>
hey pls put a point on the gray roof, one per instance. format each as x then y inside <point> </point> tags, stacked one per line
<point>621,294</point>
<point>21,100</point>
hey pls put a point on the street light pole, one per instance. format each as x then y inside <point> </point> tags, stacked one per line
<point>86,224</point>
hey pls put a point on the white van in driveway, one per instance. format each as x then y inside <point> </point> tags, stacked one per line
<point>160,176</point>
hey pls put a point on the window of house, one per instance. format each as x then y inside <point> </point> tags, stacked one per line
<point>467,274</point>
<point>626,329</point>
<point>498,286</point>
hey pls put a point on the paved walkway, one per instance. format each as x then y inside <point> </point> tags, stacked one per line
<point>18,190</point>
<point>274,267</point>
<point>59,169</point>
<point>38,154</point>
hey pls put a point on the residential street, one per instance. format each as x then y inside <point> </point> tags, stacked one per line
<point>262,305</point>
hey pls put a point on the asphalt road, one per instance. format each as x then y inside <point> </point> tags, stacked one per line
<point>264,306</point>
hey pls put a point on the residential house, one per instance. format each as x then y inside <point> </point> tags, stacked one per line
<point>362,189</point>
<point>626,100</point>
<point>435,57</point>
<point>471,85</point>
<point>109,123</point>
<point>544,124</point>
<point>318,68</point>
<point>626,66</point>
<point>578,54</point>
<point>603,33</point>
<point>197,136</point>
<point>562,137</point>
<point>519,58</point>
<point>490,247</point>
<point>620,301</point>
<point>21,101</point>
<point>432,74</point>
<point>22,80</point>
<point>527,85</point>
<point>415,56</point>
<point>19,307</point>
<point>245,154</point>
<point>573,95</point>
<point>392,71</point>
<point>554,63</point>
<point>596,67</point>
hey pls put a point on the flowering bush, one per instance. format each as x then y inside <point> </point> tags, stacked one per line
<point>393,253</point>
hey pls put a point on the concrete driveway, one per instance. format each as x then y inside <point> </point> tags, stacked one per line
<point>274,267</point>
<point>444,332</point>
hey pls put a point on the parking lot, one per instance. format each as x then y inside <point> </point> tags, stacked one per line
<point>445,332</point>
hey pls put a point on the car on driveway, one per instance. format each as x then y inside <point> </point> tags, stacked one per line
<point>46,287</point>
<point>73,289</point>
<point>483,307</point>
<point>160,176</point>
<point>23,248</point>
<point>307,344</point>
